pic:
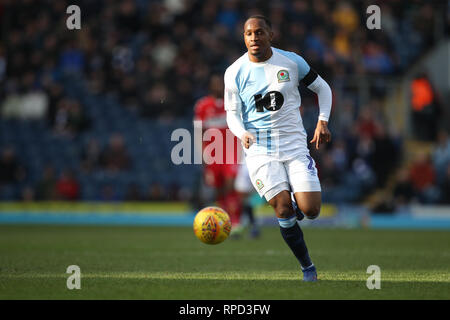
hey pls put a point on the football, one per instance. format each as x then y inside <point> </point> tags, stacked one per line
<point>212,225</point>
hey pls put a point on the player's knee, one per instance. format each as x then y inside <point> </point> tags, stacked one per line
<point>312,212</point>
<point>284,211</point>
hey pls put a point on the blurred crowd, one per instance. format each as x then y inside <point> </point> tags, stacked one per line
<point>427,178</point>
<point>156,58</point>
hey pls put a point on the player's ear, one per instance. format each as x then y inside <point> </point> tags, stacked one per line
<point>271,35</point>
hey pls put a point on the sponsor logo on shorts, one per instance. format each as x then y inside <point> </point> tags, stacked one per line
<point>259,184</point>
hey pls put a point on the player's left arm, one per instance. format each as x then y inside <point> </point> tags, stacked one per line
<point>315,83</point>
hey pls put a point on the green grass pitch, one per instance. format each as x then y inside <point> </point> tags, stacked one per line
<point>170,263</point>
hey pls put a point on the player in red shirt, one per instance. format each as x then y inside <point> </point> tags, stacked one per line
<point>220,176</point>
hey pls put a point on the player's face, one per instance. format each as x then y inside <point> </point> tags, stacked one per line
<point>257,37</point>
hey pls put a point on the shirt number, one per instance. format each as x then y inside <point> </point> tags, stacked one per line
<point>272,101</point>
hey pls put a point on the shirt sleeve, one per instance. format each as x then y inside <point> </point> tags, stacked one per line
<point>233,106</point>
<point>232,100</point>
<point>302,66</point>
<point>235,124</point>
<point>316,84</point>
<point>324,94</point>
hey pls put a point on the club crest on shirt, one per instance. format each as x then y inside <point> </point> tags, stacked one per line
<point>283,76</point>
<point>259,184</point>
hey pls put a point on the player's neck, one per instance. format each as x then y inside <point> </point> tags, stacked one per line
<point>268,54</point>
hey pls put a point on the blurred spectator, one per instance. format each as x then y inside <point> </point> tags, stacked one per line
<point>155,192</point>
<point>441,154</point>
<point>340,156</point>
<point>365,149</point>
<point>385,157</point>
<point>345,17</point>
<point>363,175</point>
<point>164,52</point>
<point>67,187</point>
<point>72,58</point>
<point>55,94</point>
<point>128,92</point>
<point>108,193</point>
<point>128,17</point>
<point>341,44</point>
<point>327,171</point>
<point>133,193</point>
<point>344,117</point>
<point>76,121</point>
<point>158,102</point>
<point>31,105</point>
<point>422,174</point>
<point>229,15</point>
<point>11,171</point>
<point>403,189</point>
<point>424,108</point>
<point>366,123</point>
<point>115,156</point>
<point>316,42</point>
<point>445,187</point>
<point>90,157</point>
<point>46,187</point>
<point>69,118</point>
<point>422,25</point>
<point>28,194</point>
<point>2,63</point>
<point>173,192</point>
<point>376,60</point>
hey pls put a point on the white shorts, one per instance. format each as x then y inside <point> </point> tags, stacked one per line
<point>270,176</point>
<point>243,183</point>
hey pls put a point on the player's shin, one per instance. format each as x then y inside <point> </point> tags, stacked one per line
<point>293,235</point>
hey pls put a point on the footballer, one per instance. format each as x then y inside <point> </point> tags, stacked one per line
<point>220,176</point>
<point>262,103</point>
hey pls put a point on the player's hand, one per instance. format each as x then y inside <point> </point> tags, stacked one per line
<point>322,134</point>
<point>247,139</point>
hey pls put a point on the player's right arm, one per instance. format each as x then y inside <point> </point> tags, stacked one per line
<point>233,107</point>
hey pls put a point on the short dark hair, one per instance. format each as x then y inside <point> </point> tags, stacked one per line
<point>261,17</point>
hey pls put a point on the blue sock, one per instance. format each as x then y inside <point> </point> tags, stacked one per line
<point>293,235</point>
